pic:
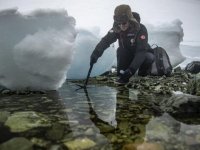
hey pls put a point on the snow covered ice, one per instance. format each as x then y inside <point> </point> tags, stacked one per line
<point>168,35</point>
<point>35,49</point>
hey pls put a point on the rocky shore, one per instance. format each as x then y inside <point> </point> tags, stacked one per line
<point>178,94</point>
<point>34,120</point>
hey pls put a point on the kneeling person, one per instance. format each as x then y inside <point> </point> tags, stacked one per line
<point>132,54</point>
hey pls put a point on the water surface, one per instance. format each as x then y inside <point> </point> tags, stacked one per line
<point>110,117</point>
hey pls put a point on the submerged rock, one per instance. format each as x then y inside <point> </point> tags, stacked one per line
<point>56,132</point>
<point>24,121</point>
<point>40,142</point>
<point>80,144</point>
<point>3,116</point>
<point>162,89</point>
<point>143,146</point>
<point>182,104</point>
<point>19,143</point>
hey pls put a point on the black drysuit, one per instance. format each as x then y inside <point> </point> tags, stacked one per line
<point>133,49</point>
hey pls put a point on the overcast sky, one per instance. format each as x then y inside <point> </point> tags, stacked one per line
<point>99,13</point>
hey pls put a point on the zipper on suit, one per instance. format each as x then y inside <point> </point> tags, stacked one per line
<point>121,41</point>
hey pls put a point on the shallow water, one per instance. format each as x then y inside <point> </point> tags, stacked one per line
<point>108,117</point>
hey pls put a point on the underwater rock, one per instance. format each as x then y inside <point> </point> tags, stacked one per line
<point>56,147</point>
<point>112,137</point>
<point>19,143</point>
<point>56,132</point>
<point>182,104</point>
<point>173,134</point>
<point>24,121</point>
<point>124,127</point>
<point>5,133</point>
<point>40,142</point>
<point>105,128</point>
<point>80,144</point>
<point>162,128</point>
<point>3,116</point>
<point>143,146</point>
<point>89,132</point>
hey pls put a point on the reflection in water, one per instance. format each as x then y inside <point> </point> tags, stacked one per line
<point>101,116</point>
<point>90,111</point>
<point>110,114</point>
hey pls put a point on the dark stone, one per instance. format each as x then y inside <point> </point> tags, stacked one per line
<point>193,86</point>
<point>193,67</point>
<point>5,133</point>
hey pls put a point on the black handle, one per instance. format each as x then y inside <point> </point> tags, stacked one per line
<point>88,75</point>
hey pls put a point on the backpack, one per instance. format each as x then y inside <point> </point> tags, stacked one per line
<point>162,65</point>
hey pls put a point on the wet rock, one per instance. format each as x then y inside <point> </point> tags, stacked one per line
<point>24,121</point>
<point>80,144</point>
<point>6,91</point>
<point>17,144</point>
<point>193,67</point>
<point>194,86</point>
<point>101,78</point>
<point>182,104</point>
<point>4,115</point>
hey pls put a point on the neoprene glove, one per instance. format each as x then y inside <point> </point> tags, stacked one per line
<point>93,59</point>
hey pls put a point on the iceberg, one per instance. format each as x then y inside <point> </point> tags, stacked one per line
<point>35,49</point>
